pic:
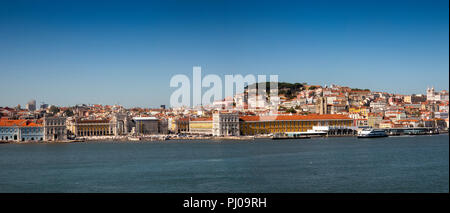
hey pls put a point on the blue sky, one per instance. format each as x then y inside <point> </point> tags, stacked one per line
<point>109,52</point>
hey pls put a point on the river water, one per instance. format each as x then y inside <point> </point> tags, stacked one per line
<point>341,164</point>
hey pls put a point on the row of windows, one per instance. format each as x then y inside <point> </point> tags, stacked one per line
<point>6,138</point>
<point>24,130</point>
<point>31,130</point>
<point>6,130</point>
<point>55,122</point>
<point>229,120</point>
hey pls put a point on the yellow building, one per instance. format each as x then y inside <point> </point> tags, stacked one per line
<point>374,120</point>
<point>354,110</point>
<point>364,111</point>
<point>201,126</point>
<point>82,128</point>
<point>252,125</point>
<point>181,125</point>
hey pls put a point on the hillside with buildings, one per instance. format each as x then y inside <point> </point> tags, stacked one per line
<point>302,108</point>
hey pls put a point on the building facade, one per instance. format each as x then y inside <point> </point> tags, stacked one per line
<point>55,128</point>
<point>150,126</point>
<point>226,124</point>
<point>122,124</point>
<point>84,128</point>
<point>20,130</point>
<point>201,126</point>
<point>253,125</point>
<point>181,125</point>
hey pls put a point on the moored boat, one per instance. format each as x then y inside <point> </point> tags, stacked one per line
<point>372,133</point>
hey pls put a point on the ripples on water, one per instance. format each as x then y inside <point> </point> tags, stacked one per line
<point>394,164</point>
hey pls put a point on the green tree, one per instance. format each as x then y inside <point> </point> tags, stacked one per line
<point>53,109</point>
<point>291,110</point>
<point>68,112</point>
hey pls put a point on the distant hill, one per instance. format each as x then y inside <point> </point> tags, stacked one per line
<point>289,90</point>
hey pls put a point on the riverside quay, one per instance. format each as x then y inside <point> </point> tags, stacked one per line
<point>301,124</point>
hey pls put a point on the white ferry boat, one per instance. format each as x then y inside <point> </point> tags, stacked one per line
<point>372,133</point>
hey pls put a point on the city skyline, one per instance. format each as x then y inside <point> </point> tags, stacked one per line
<point>40,103</point>
<point>67,53</point>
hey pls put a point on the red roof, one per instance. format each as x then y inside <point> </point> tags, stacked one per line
<point>202,119</point>
<point>19,122</point>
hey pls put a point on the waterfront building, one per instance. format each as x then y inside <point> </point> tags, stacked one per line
<point>150,125</point>
<point>83,128</point>
<point>9,129</point>
<point>55,128</point>
<point>226,124</point>
<point>436,123</point>
<point>20,130</point>
<point>122,124</point>
<point>201,126</point>
<point>253,125</point>
<point>31,131</point>
<point>181,125</point>
<point>163,127</point>
<point>172,125</point>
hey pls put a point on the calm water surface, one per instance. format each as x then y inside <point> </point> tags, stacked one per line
<point>394,164</point>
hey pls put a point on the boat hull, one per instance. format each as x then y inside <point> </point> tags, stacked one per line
<point>372,136</point>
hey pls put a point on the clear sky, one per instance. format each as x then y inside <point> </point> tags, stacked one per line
<point>109,52</point>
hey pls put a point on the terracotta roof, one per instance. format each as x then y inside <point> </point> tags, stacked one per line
<point>296,117</point>
<point>19,122</point>
<point>202,119</point>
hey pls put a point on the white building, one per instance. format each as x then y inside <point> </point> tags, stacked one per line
<point>226,124</point>
<point>432,95</point>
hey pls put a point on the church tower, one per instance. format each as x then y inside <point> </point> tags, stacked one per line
<point>430,94</point>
